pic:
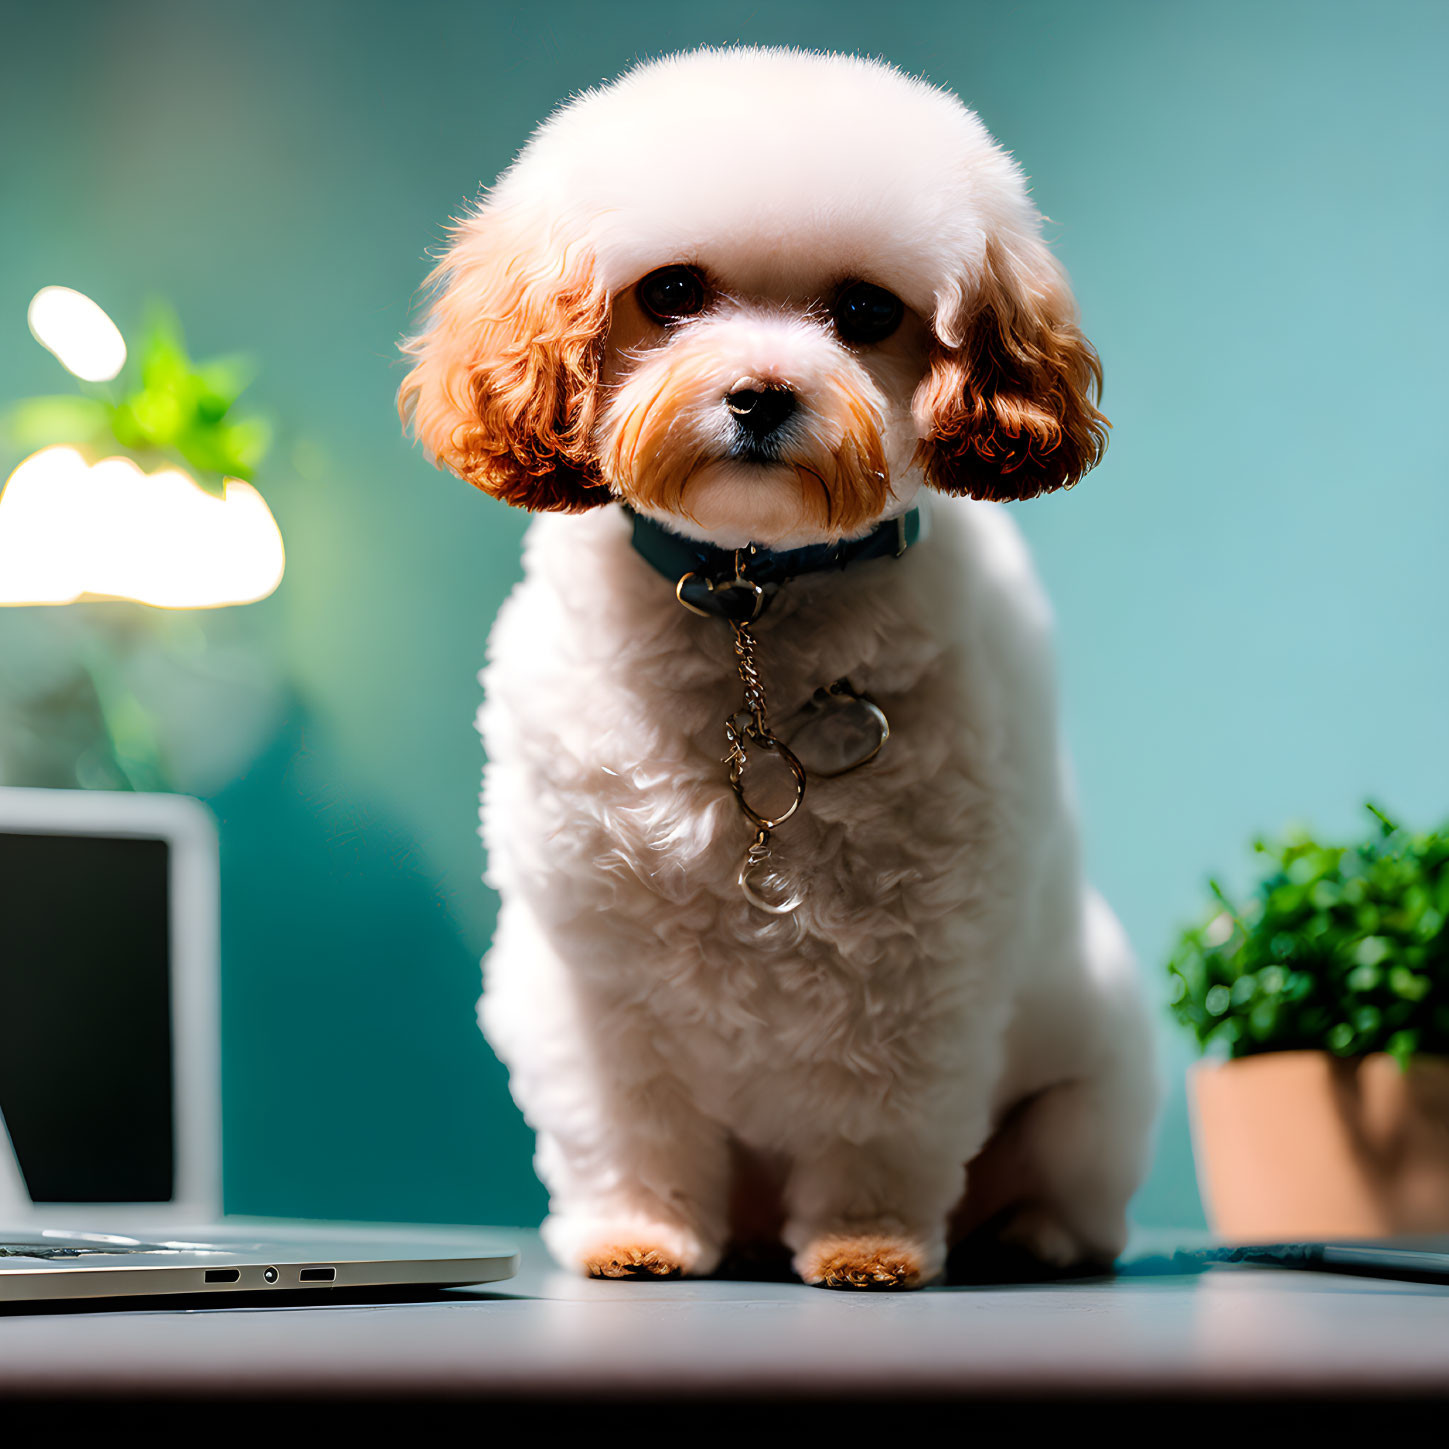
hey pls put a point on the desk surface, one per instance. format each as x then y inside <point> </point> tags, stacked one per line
<point>1233,1329</point>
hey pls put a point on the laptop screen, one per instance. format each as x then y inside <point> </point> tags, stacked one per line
<point>85,1016</point>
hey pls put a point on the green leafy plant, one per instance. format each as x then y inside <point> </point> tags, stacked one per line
<point>1341,948</point>
<point>164,407</point>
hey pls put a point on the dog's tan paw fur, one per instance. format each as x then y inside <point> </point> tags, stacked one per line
<point>631,1260</point>
<point>867,1260</point>
<point>627,1245</point>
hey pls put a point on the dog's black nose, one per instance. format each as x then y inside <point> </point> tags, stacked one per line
<point>760,410</point>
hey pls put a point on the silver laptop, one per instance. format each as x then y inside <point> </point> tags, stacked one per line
<point>110,1113</point>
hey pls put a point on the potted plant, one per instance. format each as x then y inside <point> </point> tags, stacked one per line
<point>1325,999</point>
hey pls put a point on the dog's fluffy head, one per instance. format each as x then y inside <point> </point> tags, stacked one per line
<point>777,181</point>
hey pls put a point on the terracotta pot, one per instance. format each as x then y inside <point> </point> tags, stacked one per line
<point>1303,1146</point>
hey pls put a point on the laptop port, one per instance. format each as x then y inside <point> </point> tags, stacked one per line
<point>222,1275</point>
<point>317,1275</point>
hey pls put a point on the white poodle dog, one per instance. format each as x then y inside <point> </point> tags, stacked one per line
<point>742,311</point>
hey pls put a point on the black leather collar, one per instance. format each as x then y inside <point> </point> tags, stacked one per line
<point>737,584</point>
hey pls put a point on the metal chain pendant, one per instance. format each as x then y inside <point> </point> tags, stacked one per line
<point>741,601</point>
<point>751,727</point>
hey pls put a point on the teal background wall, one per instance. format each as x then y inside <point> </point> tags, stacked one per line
<point>1252,201</point>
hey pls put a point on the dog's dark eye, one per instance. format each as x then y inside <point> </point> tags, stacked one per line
<point>867,313</point>
<point>671,293</point>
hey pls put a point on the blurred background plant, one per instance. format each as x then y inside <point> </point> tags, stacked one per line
<point>164,409</point>
<point>1341,948</point>
<point>123,690</point>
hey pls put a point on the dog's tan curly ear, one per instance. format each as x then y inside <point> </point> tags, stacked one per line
<point>1008,408</point>
<point>505,374</point>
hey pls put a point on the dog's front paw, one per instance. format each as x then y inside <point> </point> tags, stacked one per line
<point>866,1260</point>
<point>631,1260</point>
<point>627,1248</point>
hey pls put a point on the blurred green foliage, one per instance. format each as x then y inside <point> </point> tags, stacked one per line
<point>1341,948</point>
<point>163,408</point>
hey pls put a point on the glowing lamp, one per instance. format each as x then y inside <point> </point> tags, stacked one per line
<point>78,332</point>
<point>71,530</point>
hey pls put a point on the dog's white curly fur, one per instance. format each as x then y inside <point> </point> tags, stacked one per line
<point>950,992</point>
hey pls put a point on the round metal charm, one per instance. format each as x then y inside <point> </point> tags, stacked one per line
<point>838,730</point>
